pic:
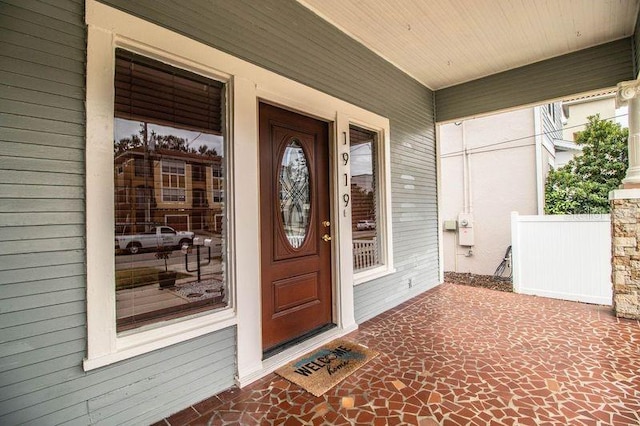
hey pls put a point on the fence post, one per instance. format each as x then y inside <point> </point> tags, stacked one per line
<point>515,248</point>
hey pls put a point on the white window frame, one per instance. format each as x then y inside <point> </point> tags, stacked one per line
<point>105,345</point>
<point>220,193</point>
<point>247,85</point>
<point>383,199</point>
<point>217,168</point>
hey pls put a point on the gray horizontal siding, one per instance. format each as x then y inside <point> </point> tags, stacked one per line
<point>42,257</point>
<point>144,387</point>
<point>42,250</point>
<point>586,70</point>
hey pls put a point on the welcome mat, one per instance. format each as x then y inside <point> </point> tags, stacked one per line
<point>322,369</point>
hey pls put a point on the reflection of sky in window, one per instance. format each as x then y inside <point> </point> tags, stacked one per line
<point>126,128</point>
<point>361,159</point>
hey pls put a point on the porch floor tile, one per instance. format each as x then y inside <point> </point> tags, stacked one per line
<point>459,355</point>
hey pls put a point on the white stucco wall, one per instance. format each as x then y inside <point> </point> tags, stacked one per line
<point>579,111</point>
<point>563,157</point>
<point>503,179</point>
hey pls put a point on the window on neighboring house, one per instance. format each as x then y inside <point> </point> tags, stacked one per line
<point>173,181</point>
<point>170,121</point>
<point>199,198</point>
<point>216,170</point>
<point>218,196</point>
<point>365,198</point>
<point>198,173</point>
<point>217,183</point>
<point>142,168</point>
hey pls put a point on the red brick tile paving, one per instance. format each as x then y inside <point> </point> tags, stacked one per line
<point>463,355</point>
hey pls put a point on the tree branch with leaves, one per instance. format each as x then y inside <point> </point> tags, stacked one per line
<point>583,184</point>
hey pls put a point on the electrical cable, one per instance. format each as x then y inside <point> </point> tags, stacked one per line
<point>479,149</point>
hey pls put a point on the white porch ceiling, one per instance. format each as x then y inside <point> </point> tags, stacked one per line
<point>442,43</point>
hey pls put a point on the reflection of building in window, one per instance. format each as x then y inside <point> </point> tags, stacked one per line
<point>217,181</point>
<point>199,198</point>
<point>216,170</point>
<point>364,197</point>
<point>198,173</point>
<point>168,170</point>
<point>173,181</point>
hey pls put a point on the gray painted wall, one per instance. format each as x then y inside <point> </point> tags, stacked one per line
<point>42,252</point>
<point>589,69</point>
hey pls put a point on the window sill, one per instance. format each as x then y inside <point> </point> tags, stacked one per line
<point>140,342</point>
<point>372,274</point>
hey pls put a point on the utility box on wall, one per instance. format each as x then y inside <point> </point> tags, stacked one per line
<point>450,225</point>
<point>465,229</point>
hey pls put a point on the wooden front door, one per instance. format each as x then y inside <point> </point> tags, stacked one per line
<point>295,228</point>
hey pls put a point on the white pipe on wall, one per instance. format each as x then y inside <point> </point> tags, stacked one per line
<point>538,128</point>
<point>465,172</point>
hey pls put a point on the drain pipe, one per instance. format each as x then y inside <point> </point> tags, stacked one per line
<point>465,171</point>
<point>538,129</point>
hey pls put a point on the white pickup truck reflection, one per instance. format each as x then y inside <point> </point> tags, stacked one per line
<point>157,236</point>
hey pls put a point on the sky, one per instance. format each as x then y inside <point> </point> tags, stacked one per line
<point>125,128</point>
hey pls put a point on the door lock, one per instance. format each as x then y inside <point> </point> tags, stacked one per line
<point>326,238</point>
<point>326,223</point>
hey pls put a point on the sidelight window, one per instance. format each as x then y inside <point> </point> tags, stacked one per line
<point>364,198</point>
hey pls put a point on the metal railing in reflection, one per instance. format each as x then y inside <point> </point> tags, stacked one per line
<point>198,242</point>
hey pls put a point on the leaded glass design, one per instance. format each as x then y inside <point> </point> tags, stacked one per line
<point>295,201</point>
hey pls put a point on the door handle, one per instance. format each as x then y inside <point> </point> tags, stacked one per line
<point>326,238</point>
<point>326,223</point>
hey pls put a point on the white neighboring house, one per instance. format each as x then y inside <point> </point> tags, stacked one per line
<point>576,110</point>
<point>491,166</point>
<point>575,113</point>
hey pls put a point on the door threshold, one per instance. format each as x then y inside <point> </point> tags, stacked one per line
<point>290,353</point>
<point>296,341</point>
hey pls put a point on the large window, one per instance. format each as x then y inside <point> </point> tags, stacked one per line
<point>365,198</point>
<point>169,150</point>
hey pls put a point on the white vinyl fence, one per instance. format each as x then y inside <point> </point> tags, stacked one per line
<point>562,257</point>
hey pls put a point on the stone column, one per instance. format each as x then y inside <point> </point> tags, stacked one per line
<point>625,215</point>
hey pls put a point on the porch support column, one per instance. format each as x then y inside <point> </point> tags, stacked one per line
<point>625,215</point>
<point>629,94</point>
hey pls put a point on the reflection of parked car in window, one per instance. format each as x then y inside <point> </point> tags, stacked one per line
<point>158,236</point>
<point>365,224</point>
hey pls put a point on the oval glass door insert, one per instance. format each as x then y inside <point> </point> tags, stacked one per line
<point>295,200</point>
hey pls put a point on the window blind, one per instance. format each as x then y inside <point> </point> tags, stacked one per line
<point>151,91</point>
